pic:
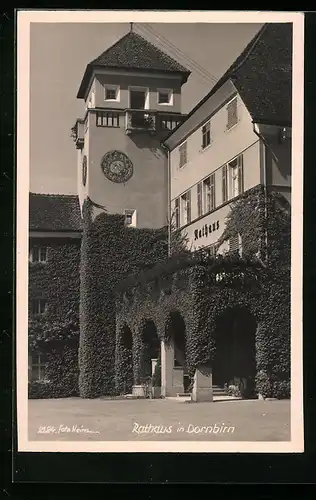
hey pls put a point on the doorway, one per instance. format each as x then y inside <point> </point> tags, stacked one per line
<point>138,101</point>
<point>235,359</point>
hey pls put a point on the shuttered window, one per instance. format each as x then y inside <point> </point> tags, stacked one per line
<point>234,244</point>
<point>232,113</point>
<point>183,154</point>
<point>199,199</point>
<point>224,184</point>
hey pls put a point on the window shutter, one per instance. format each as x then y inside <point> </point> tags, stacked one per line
<point>199,199</point>
<point>212,188</point>
<point>177,212</point>
<point>240,174</point>
<point>232,113</point>
<point>189,206</point>
<point>234,243</point>
<point>224,184</point>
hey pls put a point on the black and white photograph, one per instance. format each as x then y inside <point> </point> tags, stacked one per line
<point>159,231</point>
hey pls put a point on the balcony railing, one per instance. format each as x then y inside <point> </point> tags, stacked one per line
<point>152,121</point>
<point>140,119</point>
<point>77,133</point>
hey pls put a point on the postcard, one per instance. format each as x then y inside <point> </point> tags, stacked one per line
<point>159,231</point>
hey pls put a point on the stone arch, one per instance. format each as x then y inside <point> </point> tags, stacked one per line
<point>148,348</point>
<point>175,336</point>
<point>234,362</point>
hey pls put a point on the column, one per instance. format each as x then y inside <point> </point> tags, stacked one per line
<point>167,363</point>
<point>202,387</point>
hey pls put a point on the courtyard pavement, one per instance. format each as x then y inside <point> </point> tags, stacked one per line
<point>75,419</point>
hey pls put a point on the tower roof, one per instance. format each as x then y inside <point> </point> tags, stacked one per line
<point>133,52</point>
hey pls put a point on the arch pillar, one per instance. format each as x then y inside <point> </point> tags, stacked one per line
<point>171,376</point>
<point>203,385</point>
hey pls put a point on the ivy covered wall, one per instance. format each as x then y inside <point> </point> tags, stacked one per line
<point>55,334</point>
<point>201,291</point>
<point>110,252</point>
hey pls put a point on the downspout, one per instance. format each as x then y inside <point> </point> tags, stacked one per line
<point>165,147</point>
<point>265,145</point>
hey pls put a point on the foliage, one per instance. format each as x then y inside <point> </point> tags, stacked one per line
<point>58,341</point>
<point>110,252</point>
<point>201,289</point>
<point>55,334</point>
<point>233,390</point>
<point>40,389</point>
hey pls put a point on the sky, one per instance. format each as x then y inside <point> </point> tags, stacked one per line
<point>59,54</point>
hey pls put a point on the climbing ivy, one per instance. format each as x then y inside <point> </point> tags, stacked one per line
<point>55,334</point>
<point>110,252</point>
<point>202,288</point>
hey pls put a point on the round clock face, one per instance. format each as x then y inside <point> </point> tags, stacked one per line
<point>116,166</point>
<point>84,170</point>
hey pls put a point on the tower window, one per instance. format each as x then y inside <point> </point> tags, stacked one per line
<point>130,217</point>
<point>111,93</point>
<point>165,96</point>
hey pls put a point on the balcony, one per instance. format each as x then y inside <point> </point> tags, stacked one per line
<point>151,121</point>
<point>77,133</point>
<point>140,120</point>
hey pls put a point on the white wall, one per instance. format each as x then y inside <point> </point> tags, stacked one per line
<point>225,145</point>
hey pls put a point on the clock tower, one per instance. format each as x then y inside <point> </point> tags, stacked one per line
<point>132,99</point>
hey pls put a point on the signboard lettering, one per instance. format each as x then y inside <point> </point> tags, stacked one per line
<point>206,230</point>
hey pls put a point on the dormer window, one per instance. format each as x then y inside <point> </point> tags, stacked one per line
<point>111,93</point>
<point>165,97</point>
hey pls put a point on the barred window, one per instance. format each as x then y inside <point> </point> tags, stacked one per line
<point>107,119</point>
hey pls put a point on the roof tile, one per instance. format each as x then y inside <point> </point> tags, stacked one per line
<point>52,212</point>
<point>132,51</point>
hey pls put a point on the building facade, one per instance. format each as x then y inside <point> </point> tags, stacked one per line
<point>143,166</point>
<point>236,138</point>
<point>132,97</point>
<point>54,258</point>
